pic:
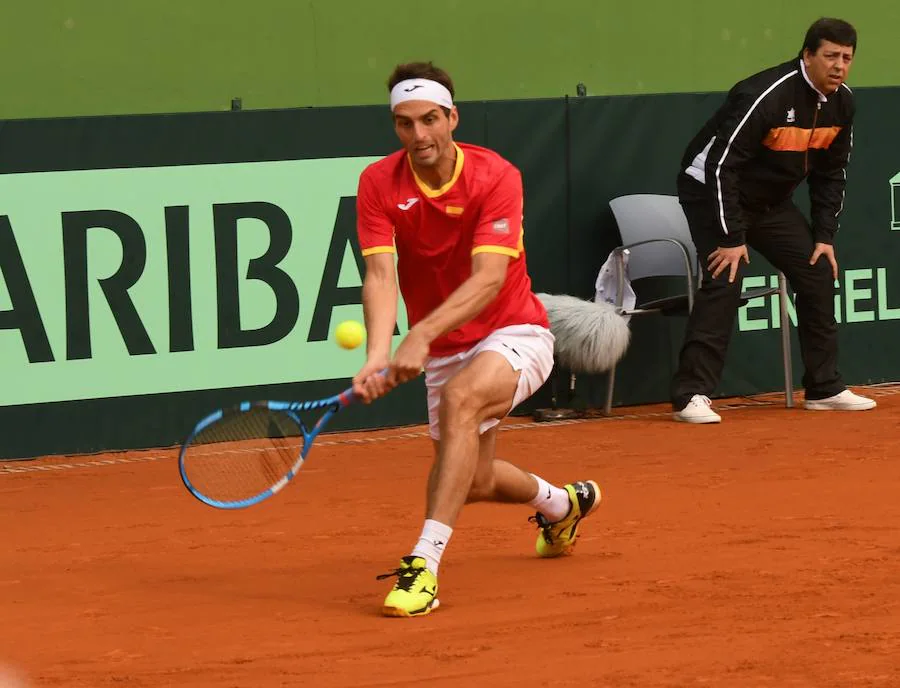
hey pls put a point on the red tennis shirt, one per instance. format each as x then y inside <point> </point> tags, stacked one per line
<point>435,233</point>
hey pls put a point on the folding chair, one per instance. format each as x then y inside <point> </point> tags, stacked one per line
<point>657,227</point>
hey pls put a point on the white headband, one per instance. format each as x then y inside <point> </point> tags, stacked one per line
<point>421,89</point>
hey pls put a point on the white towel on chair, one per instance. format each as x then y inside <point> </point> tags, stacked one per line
<point>607,284</point>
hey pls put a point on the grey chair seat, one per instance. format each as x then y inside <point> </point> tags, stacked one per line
<point>680,304</point>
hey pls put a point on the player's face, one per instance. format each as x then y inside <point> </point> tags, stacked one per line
<point>829,66</point>
<point>425,131</point>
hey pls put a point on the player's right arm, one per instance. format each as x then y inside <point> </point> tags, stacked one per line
<point>379,292</point>
<point>379,295</point>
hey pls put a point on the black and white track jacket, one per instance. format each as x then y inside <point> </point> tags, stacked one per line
<point>774,130</point>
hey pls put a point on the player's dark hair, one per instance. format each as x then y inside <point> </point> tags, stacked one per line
<point>421,70</point>
<point>829,29</point>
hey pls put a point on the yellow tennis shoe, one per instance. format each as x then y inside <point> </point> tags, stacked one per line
<point>559,538</point>
<point>414,593</point>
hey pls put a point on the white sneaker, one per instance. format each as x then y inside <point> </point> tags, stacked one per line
<point>845,401</point>
<point>698,410</point>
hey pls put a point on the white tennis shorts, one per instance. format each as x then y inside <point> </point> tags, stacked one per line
<point>529,350</point>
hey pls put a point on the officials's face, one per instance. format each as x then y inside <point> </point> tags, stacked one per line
<point>829,66</point>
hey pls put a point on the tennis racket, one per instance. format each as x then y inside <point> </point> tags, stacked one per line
<point>240,456</point>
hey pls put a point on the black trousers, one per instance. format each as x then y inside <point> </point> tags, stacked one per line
<point>783,236</point>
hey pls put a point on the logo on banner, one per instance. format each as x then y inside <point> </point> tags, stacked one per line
<point>117,282</point>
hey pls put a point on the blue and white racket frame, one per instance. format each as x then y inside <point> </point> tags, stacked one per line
<point>292,408</point>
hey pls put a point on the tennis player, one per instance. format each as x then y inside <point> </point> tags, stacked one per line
<point>452,215</point>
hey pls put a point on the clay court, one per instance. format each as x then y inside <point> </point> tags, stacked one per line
<point>762,552</point>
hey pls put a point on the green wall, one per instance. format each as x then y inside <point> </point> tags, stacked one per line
<point>140,287</point>
<point>78,57</point>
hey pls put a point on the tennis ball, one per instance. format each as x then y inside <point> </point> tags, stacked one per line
<point>349,334</point>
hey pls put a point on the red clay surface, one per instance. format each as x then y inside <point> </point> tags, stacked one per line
<point>761,552</point>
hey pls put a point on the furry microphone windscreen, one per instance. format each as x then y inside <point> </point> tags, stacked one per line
<point>590,337</point>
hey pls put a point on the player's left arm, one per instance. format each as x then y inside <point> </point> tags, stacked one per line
<point>497,240</point>
<point>469,298</point>
<point>466,301</point>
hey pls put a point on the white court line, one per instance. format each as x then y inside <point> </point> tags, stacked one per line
<point>10,468</point>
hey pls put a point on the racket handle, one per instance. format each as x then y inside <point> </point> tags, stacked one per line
<point>348,396</point>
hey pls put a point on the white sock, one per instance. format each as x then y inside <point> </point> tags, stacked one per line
<point>431,544</point>
<point>553,502</point>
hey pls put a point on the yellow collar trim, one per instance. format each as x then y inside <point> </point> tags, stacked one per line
<point>434,193</point>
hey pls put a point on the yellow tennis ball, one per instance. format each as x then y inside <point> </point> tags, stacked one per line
<point>349,334</point>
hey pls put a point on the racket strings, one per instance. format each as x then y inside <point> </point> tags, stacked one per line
<point>243,454</point>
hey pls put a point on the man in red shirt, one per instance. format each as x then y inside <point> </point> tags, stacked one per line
<point>452,214</point>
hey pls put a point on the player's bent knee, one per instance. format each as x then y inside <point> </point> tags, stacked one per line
<point>460,401</point>
<point>467,398</point>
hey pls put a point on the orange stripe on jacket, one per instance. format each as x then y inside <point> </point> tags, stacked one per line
<point>799,140</point>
